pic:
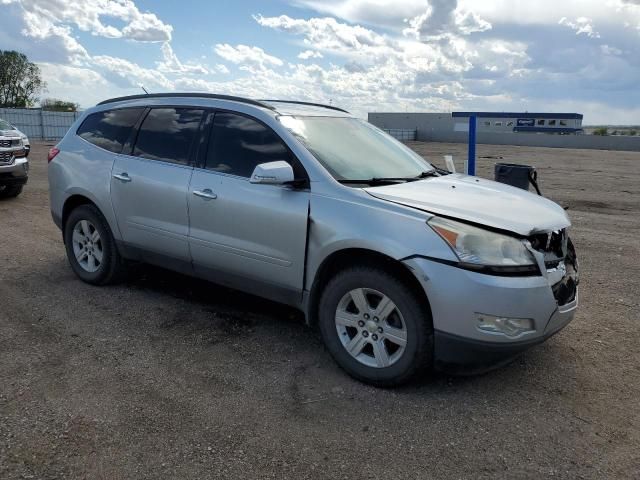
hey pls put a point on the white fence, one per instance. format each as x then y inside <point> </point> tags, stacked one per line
<point>38,124</point>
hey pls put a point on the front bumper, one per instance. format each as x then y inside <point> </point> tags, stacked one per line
<point>14,173</point>
<point>457,296</point>
<point>454,354</point>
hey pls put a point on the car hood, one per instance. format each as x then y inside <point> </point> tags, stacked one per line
<point>9,134</point>
<point>479,201</point>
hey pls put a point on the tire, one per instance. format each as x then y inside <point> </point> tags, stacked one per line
<point>107,266</point>
<point>11,192</point>
<point>382,357</point>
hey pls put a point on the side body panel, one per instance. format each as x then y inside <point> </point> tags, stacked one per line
<point>82,169</point>
<point>151,205</point>
<point>358,220</point>
<point>251,231</point>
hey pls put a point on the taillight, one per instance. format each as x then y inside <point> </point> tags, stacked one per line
<point>53,151</point>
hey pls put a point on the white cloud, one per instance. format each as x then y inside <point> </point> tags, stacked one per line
<point>444,17</point>
<point>369,12</point>
<point>88,17</point>
<point>247,57</point>
<point>325,33</point>
<point>65,81</point>
<point>146,27</point>
<point>220,68</point>
<point>581,25</point>
<point>129,74</point>
<point>171,63</point>
<point>307,54</point>
<point>41,28</point>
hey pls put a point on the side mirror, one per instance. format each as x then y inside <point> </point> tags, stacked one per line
<point>272,173</point>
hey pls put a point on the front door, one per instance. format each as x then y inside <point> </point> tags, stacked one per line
<point>249,236</point>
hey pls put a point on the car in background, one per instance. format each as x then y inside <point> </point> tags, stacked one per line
<point>14,165</point>
<point>6,126</point>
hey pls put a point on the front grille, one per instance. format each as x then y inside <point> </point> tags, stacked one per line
<point>6,157</point>
<point>9,143</point>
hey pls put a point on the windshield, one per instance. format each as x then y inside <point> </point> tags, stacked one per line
<point>352,149</point>
<point>5,125</point>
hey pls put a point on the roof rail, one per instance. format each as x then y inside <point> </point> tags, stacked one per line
<point>307,103</point>
<point>248,101</point>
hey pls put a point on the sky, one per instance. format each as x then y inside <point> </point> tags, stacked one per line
<point>364,55</point>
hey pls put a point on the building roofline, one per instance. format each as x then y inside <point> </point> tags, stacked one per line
<point>559,116</point>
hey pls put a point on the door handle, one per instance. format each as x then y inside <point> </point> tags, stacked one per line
<point>123,177</point>
<point>206,193</point>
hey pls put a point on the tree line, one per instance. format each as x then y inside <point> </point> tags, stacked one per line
<point>21,84</point>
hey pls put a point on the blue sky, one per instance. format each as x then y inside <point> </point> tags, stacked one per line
<point>366,55</point>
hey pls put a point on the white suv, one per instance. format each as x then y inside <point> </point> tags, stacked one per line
<point>14,166</point>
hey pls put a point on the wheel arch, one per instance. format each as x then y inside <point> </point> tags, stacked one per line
<point>350,257</point>
<point>78,199</point>
<point>73,202</point>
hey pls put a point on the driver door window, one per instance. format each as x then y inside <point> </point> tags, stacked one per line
<point>239,143</point>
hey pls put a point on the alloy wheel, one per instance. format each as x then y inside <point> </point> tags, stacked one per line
<point>87,246</point>
<point>371,328</point>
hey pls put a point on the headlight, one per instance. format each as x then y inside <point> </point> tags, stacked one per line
<point>482,247</point>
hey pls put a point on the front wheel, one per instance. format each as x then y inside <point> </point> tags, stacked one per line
<point>376,327</point>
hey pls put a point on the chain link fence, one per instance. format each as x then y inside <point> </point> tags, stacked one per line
<point>38,124</point>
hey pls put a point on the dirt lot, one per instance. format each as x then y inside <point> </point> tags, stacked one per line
<point>168,377</point>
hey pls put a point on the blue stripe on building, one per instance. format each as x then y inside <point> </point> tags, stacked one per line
<point>557,116</point>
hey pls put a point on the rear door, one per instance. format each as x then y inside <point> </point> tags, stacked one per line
<point>253,235</point>
<point>149,185</point>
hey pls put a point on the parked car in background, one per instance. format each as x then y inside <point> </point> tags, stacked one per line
<point>4,125</point>
<point>401,266</point>
<point>14,165</point>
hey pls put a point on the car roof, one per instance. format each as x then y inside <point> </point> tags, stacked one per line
<point>281,107</point>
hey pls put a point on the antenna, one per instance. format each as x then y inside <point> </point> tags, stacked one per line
<point>144,89</point>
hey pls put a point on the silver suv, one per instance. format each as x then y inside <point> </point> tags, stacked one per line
<point>402,266</point>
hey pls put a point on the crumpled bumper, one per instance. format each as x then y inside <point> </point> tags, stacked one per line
<point>458,296</point>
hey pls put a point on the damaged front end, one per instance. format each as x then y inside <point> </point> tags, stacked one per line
<point>556,258</point>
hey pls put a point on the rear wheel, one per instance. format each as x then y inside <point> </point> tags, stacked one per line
<point>10,192</point>
<point>91,248</point>
<point>375,326</point>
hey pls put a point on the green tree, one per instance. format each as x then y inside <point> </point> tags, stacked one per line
<point>20,81</point>
<point>601,131</point>
<point>55,105</point>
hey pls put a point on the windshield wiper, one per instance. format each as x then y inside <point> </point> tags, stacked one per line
<point>374,181</point>
<point>430,173</point>
<point>388,180</point>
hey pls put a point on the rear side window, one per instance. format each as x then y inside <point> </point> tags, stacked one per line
<point>110,129</point>
<point>240,143</point>
<point>167,134</point>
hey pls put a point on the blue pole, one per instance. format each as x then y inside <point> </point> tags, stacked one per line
<point>471,162</point>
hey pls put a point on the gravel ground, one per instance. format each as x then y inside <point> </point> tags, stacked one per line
<point>170,377</point>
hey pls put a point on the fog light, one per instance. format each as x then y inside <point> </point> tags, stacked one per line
<point>511,327</point>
